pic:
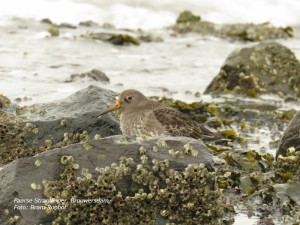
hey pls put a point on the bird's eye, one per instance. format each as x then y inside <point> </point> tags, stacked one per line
<point>129,97</point>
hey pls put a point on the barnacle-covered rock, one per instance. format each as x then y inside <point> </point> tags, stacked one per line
<point>118,179</point>
<point>265,68</point>
<point>287,167</point>
<point>26,131</point>
<point>14,132</point>
<point>4,101</point>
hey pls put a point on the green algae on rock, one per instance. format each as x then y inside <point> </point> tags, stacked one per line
<point>268,187</point>
<point>265,68</point>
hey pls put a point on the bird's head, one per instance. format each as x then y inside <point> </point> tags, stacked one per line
<point>127,101</point>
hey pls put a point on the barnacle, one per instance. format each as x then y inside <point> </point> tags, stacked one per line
<point>156,189</point>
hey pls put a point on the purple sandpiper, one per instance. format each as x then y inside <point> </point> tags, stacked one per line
<point>140,116</point>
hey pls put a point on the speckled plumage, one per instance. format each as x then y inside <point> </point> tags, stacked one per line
<point>141,116</point>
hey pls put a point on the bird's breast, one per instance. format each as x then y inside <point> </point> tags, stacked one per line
<point>140,124</point>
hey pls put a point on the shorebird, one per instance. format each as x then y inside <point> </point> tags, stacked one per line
<point>140,116</point>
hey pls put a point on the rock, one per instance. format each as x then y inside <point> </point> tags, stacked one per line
<point>147,37</point>
<point>116,39</point>
<point>108,26</point>
<point>187,22</point>
<point>96,75</point>
<point>123,171</point>
<point>291,137</point>
<point>187,16</point>
<point>66,25</point>
<point>88,23</point>
<point>29,130</point>
<point>287,192</point>
<point>76,113</point>
<point>47,21</point>
<point>265,68</point>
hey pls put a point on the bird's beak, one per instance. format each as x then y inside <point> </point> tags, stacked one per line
<point>116,106</point>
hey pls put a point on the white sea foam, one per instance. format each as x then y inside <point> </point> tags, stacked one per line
<point>57,10</point>
<point>152,14</point>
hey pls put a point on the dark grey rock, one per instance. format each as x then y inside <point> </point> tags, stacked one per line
<point>114,38</point>
<point>18,176</point>
<point>80,112</point>
<point>291,137</point>
<point>265,68</point>
<point>96,75</point>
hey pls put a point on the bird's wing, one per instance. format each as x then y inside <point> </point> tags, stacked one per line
<point>178,124</point>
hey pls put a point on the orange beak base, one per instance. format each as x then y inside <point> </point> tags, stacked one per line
<point>116,106</point>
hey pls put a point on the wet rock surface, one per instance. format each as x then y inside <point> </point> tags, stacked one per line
<point>188,22</point>
<point>291,137</point>
<point>132,174</point>
<point>265,68</point>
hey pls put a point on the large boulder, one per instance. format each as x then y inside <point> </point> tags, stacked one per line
<point>160,179</point>
<point>265,68</point>
<point>25,131</point>
<point>291,137</point>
